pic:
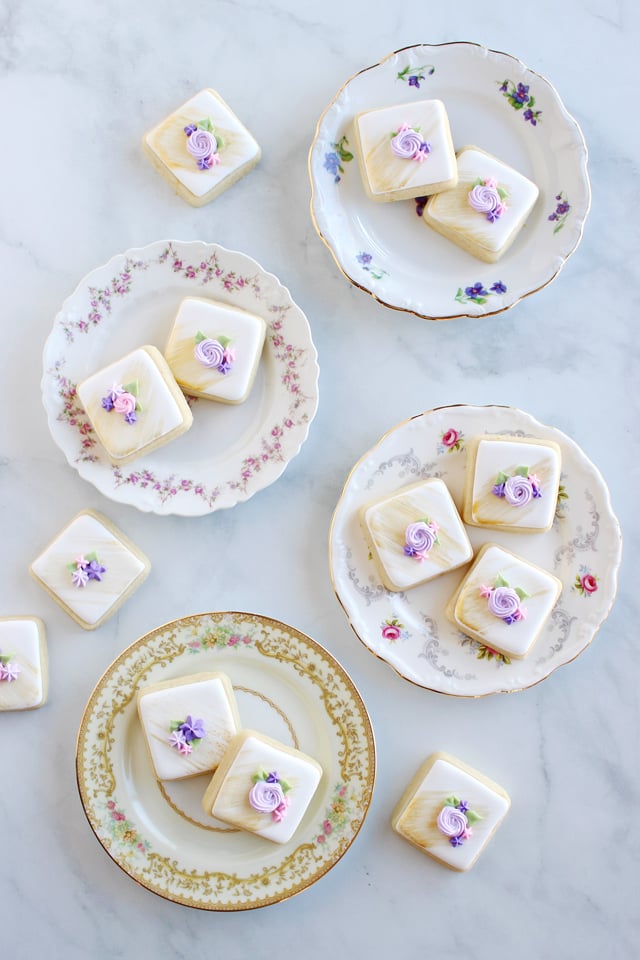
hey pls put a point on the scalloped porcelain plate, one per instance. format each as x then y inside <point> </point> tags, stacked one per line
<point>494,102</point>
<point>410,630</point>
<point>230,452</point>
<point>287,686</point>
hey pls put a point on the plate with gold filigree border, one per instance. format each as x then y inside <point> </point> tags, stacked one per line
<point>493,101</point>
<point>287,686</point>
<point>232,450</point>
<point>410,630</point>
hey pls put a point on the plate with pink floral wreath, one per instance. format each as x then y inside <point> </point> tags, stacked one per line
<point>410,630</point>
<point>288,687</point>
<point>493,102</point>
<point>231,451</point>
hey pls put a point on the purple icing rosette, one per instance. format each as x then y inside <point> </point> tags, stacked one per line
<point>408,144</point>
<point>452,822</point>
<point>420,538</point>
<point>504,602</point>
<point>485,198</point>
<point>210,353</point>
<point>518,491</point>
<point>265,796</point>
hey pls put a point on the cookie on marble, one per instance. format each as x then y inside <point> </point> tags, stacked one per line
<point>262,786</point>
<point>486,210</point>
<point>214,349</point>
<point>135,405</point>
<point>415,534</point>
<point>405,151</point>
<point>23,663</point>
<point>188,723</point>
<point>450,811</point>
<point>90,569</point>
<point>511,483</point>
<point>504,601</point>
<point>202,148</point>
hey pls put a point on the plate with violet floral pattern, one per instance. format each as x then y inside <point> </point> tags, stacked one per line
<point>410,630</point>
<point>231,451</point>
<point>494,102</point>
<point>288,687</point>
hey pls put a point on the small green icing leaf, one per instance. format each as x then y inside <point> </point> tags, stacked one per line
<point>91,556</point>
<point>132,388</point>
<point>72,567</point>
<point>478,182</point>
<point>138,407</point>
<point>472,817</point>
<point>174,725</point>
<point>285,786</point>
<point>502,193</point>
<point>199,337</point>
<point>522,471</point>
<point>224,341</point>
<point>502,478</point>
<point>521,593</point>
<point>206,125</point>
<point>451,801</point>
<point>219,141</point>
<point>260,775</point>
<point>500,581</point>
<point>5,659</point>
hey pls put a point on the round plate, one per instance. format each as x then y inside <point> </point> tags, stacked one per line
<point>287,686</point>
<point>230,452</point>
<point>410,630</point>
<point>494,102</point>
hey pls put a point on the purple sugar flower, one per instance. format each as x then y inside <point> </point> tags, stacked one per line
<point>463,806</point>
<point>273,777</point>
<point>498,287</point>
<point>191,128</point>
<point>510,619</point>
<point>130,417</point>
<point>107,403</point>
<point>498,490</point>
<point>456,841</point>
<point>224,366</point>
<point>192,729</point>
<point>95,570</point>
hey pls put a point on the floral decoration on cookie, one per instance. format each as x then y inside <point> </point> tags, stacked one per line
<point>186,734</point>
<point>455,820</point>
<point>505,602</point>
<point>488,198</point>
<point>203,143</point>
<point>268,794</point>
<point>407,143</point>
<point>123,399</point>
<point>86,568</point>
<point>519,488</point>
<point>214,353</point>
<point>8,669</point>
<point>420,537</point>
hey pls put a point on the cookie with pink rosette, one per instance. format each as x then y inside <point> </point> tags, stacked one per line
<point>262,786</point>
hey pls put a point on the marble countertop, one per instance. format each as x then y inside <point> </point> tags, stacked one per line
<point>80,84</point>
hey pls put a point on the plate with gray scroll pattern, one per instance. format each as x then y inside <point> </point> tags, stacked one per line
<point>493,101</point>
<point>409,630</point>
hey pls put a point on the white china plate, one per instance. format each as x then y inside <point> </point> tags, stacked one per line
<point>230,452</point>
<point>388,251</point>
<point>287,686</point>
<point>410,630</point>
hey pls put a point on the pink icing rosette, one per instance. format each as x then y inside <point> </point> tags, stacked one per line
<point>452,822</point>
<point>518,491</point>
<point>504,602</point>
<point>266,797</point>
<point>124,403</point>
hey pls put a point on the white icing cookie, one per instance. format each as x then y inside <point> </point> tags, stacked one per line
<point>405,151</point>
<point>188,723</point>
<point>262,786</point>
<point>450,811</point>
<point>135,404</point>
<point>202,148</point>
<point>504,601</point>
<point>511,483</point>
<point>214,349</point>
<point>90,569</point>
<point>488,231</point>
<point>399,526</point>
<point>23,663</point>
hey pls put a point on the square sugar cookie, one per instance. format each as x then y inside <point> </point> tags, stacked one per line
<point>484,213</point>
<point>214,349</point>
<point>90,569</point>
<point>201,149</point>
<point>450,811</point>
<point>415,534</point>
<point>262,786</point>
<point>511,483</point>
<point>504,601</point>
<point>405,151</point>
<point>23,663</point>
<point>188,723</point>
<point>135,405</point>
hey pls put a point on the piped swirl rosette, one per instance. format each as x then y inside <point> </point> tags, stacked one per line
<point>409,144</point>
<point>123,400</point>
<point>268,795</point>
<point>214,353</point>
<point>519,489</point>
<point>504,601</point>
<point>455,819</point>
<point>202,144</point>
<point>420,537</point>
<point>485,197</point>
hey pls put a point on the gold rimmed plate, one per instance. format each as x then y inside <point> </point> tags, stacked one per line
<point>287,686</point>
<point>409,630</point>
<point>493,101</point>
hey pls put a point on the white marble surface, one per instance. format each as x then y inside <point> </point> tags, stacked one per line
<point>80,83</point>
